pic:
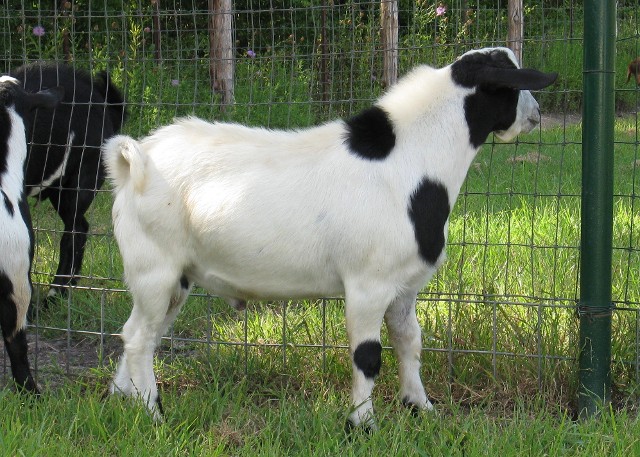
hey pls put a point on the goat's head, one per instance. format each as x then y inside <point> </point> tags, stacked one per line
<point>12,95</point>
<point>501,101</point>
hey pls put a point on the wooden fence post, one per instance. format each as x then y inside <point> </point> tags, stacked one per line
<point>221,61</point>
<point>516,28</point>
<point>389,39</point>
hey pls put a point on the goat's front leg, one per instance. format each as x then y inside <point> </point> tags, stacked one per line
<point>405,335</point>
<point>364,314</point>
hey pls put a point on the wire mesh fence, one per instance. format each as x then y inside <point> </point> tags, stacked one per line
<point>501,311</point>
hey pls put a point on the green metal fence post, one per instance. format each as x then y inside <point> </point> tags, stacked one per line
<point>595,306</point>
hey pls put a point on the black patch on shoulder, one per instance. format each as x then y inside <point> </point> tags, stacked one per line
<point>368,358</point>
<point>370,134</point>
<point>429,210</point>
<point>184,282</point>
<point>7,203</point>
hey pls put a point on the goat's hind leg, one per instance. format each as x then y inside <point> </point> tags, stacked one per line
<point>405,335</point>
<point>156,304</point>
<point>71,204</point>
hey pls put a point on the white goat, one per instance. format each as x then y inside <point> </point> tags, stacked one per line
<point>357,208</point>
<point>16,235</point>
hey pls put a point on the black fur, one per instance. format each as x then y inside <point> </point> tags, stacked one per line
<point>429,210</point>
<point>412,407</point>
<point>370,134</point>
<point>15,340</point>
<point>491,108</point>
<point>368,358</point>
<point>489,111</point>
<point>7,203</point>
<point>93,109</point>
<point>159,404</point>
<point>5,131</point>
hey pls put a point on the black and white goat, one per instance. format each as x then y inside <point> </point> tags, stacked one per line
<point>357,208</point>
<point>16,235</point>
<point>64,163</point>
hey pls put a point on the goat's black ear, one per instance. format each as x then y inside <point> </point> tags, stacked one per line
<point>515,78</point>
<point>47,98</point>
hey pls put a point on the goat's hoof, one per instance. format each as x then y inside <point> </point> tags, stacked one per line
<point>412,407</point>
<point>55,296</point>
<point>29,388</point>
<point>415,409</point>
<point>367,428</point>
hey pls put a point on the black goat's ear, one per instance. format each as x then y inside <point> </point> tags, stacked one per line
<point>47,98</point>
<point>515,78</point>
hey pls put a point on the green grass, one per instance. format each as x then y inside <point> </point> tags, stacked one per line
<point>499,330</point>
<point>218,416</point>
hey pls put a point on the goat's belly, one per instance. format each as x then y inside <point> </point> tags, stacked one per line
<point>253,283</point>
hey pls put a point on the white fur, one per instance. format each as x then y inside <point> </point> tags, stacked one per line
<point>250,213</point>
<point>57,173</point>
<point>14,231</point>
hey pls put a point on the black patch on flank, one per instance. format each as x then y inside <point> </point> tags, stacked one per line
<point>368,358</point>
<point>370,134</point>
<point>184,282</point>
<point>429,210</point>
<point>7,203</point>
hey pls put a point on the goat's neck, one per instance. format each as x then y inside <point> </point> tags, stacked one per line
<point>12,180</point>
<point>443,154</point>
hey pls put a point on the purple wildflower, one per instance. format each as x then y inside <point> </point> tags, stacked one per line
<point>441,10</point>
<point>251,54</point>
<point>147,30</point>
<point>175,82</point>
<point>38,30</point>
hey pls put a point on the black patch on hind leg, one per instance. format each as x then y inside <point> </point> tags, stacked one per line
<point>370,134</point>
<point>368,358</point>
<point>429,210</point>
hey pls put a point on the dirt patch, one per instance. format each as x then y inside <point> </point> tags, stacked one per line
<point>552,120</point>
<point>54,360</point>
<point>529,157</point>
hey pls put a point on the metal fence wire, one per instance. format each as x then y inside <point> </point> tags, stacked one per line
<point>501,313</point>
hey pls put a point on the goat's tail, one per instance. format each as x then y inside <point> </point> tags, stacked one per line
<point>125,162</point>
